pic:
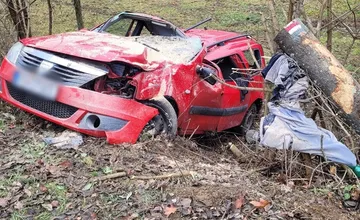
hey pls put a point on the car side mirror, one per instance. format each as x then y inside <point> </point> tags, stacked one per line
<point>207,74</point>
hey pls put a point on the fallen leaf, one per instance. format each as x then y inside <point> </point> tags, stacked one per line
<point>43,188</point>
<point>170,209</point>
<point>3,202</point>
<point>47,207</point>
<point>93,216</point>
<point>65,164</point>
<point>27,192</point>
<point>87,187</point>
<point>240,202</point>
<point>128,196</point>
<point>88,161</point>
<point>260,204</point>
<point>355,194</point>
<point>333,170</point>
<point>347,196</point>
<point>18,206</point>
<point>40,162</point>
<point>54,170</point>
<point>55,204</point>
<point>185,202</point>
<point>133,216</point>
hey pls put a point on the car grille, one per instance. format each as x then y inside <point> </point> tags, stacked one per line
<point>30,60</point>
<point>53,108</point>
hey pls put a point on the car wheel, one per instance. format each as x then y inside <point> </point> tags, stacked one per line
<point>164,123</point>
<point>248,120</point>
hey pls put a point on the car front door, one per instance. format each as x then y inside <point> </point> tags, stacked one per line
<point>234,101</point>
<point>205,106</point>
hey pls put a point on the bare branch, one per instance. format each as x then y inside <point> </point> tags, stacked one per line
<point>320,18</point>
<point>353,12</point>
<point>343,16</point>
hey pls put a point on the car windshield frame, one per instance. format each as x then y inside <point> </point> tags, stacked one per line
<point>103,27</point>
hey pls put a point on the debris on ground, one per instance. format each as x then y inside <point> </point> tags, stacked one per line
<point>67,140</point>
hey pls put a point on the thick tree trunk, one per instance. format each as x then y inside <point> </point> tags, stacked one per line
<point>324,69</point>
<point>78,13</point>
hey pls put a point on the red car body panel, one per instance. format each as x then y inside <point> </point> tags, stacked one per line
<point>178,82</point>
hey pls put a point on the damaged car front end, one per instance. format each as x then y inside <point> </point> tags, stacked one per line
<point>87,82</point>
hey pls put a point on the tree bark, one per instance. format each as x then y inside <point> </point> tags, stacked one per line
<point>78,13</point>
<point>324,69</point>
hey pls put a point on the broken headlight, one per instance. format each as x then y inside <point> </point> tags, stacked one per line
<point>14,52</point>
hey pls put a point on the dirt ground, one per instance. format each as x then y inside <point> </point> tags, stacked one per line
<point>44,182</point>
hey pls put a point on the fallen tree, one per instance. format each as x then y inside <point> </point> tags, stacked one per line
<point>324,69</point>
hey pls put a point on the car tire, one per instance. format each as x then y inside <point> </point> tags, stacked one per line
<point>165,122</point>
<point>248,121</point>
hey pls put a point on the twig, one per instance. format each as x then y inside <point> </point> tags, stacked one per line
<point>124,174</point>
<point>253,56</point>
<point>239,87</point>
<point>312,175</point>
<point>110,176</point>
<point>165,176</point>
<point>320,18</point>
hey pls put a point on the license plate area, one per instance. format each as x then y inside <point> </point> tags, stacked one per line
<point>36,85</point>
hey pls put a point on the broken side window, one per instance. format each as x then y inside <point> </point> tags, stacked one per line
<point>250,59</point>
<point>226,64</point>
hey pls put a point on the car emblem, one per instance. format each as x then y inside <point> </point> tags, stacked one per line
<point>44,67</point>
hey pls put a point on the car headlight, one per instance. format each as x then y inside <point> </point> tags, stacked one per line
<point>14,52</point>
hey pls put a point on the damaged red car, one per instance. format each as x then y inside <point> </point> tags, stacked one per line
<point>135,76</point>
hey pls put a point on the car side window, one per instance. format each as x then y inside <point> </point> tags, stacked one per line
<point>122,27</point>
<point>250,59</point>
<point>226,65</point>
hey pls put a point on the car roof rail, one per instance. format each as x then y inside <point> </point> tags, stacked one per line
<point>221,43</point>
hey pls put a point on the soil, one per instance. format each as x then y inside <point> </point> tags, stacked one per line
<point>44,182</point>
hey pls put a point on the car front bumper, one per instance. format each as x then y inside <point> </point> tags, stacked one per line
<point>119,120</point>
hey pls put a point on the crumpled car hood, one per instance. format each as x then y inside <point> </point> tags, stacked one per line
<point>107,48</point>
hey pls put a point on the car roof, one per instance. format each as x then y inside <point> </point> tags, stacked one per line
<point>227,48</point>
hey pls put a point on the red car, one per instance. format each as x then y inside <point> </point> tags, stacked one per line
<point>136,75</point>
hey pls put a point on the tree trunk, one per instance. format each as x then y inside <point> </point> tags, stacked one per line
<point>50,16</point>
<point>329,28</point>
<point>78,13</point>
<point>18,11</point>
<point>290,10</point>
<point>299,7</point>
<point>324,69</point>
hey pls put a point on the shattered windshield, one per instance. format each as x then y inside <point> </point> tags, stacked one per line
<point>176,49</point>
